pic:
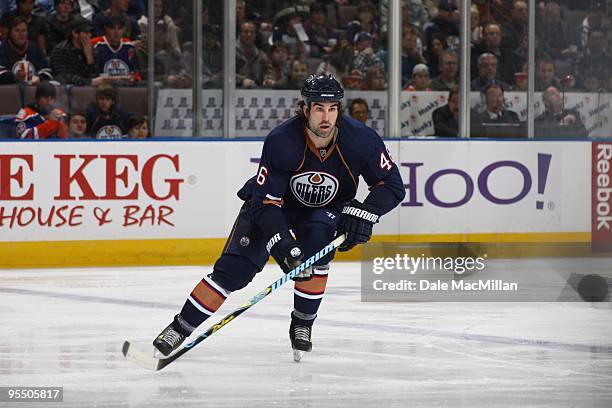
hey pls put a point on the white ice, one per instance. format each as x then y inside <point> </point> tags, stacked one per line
<point>66,327</point>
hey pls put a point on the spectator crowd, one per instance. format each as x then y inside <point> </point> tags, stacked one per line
<point>103,43</point>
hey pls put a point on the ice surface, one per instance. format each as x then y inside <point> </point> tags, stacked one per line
<point>66,327</point>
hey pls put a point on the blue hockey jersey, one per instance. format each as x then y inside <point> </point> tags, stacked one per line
<point>120,61</point>
<point>293,174</point>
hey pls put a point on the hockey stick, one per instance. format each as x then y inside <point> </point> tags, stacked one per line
<point>146,360</point>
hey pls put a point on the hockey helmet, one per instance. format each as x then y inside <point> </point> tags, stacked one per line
<point>322,88</point>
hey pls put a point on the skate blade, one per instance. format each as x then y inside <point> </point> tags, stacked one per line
<point>297,355</point>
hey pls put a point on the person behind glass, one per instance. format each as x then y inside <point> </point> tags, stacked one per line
<point>279,64</point>
<point>545,74</point>
<point>74,60</point>
<point>495,111</point>
<point>117,59</point>
<point>251,62</point>
<point>359,110</point>
<point>77,125</point>
<point>117,8</point>
<point>420,79</point>
<point>297,75</point>
<point>432,53</point>
<point>57,23</point>
<point>20,59</point>
<point>138,127</point>
<point>105,120</point>
<point>42,120</point>
<point>446,118</point>
<point>321,35</point>
<point>557,121</point>
<point>36,24</point>
<point>487,73</point>
<point>449,68</point>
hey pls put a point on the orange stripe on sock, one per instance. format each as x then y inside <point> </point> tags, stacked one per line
<point>207,297</point>
<point>314,286</point>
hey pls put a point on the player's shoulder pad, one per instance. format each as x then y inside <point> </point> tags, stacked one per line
<point>287,142</point>
<point>357,138</point>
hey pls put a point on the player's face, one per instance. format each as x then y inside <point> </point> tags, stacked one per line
<point>322,118</point>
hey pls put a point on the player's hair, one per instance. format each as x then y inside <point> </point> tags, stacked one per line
<point>358,101</point>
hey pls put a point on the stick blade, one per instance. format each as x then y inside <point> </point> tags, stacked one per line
<point>141,358</point>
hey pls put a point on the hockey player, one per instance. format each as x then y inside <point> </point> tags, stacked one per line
<point>302,196</point>
<point>41,120</point>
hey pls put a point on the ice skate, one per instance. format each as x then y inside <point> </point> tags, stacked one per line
<point>300,340</point>
<point>169,340</point>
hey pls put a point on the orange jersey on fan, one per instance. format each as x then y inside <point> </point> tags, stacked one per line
<point>32,125</point>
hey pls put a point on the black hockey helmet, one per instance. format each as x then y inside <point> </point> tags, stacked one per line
<point>322,88</point>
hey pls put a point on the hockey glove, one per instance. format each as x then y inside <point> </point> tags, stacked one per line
<point>285,250</point>
<point>356,222</point>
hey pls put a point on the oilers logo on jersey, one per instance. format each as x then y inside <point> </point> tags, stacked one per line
<point>313,188</point>
<point>116,67</point>
<point>109,132</point>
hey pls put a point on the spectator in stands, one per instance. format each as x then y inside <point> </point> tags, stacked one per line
<point>321,35</point>
<point>136,8</point>
<point>105,120</point>
<point>592,81</point>
<point>117,57</point>
<point>366,16</point>
<point>41,120</point>
<point>170,69</point>
<point>288,29</point>
<point>58,22</point>
<point>364,59</point>
<point>278,64</point>
<point>251,62</point>
<point>553,36</point>
<point>517,27</point>
<point>74,61</point>
<point>410,55</point>
<point>21,60</point>
<point>297,75</point>
<point>77,125</point>
<point>86,8</point>
<point>475,25</point>
<point>117,8</point>
<point>446,118</point>
<point>508,62</point>
<point>138,128</point>
<point>595,19</point>
<point>556,121</point>
<point>172,31</point>
<point>495,111</point>
<point>432,54</point>
<point>213,59</point>
<point>375,80</point>
<point>339,61</point>
<point>359,110</point>
<point>444,24</point>
<point>420,79</point>
<point>414,13</point>
<point>36,24</point>
<point>487,73</point>
<point>596,59</point>
<point>449,68</point>
<point>545,74</point>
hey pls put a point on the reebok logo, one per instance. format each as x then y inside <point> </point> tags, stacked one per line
<point>604,192</point>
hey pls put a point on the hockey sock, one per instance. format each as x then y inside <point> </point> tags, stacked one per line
<point>307,296</point>
<point>203,302</point>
